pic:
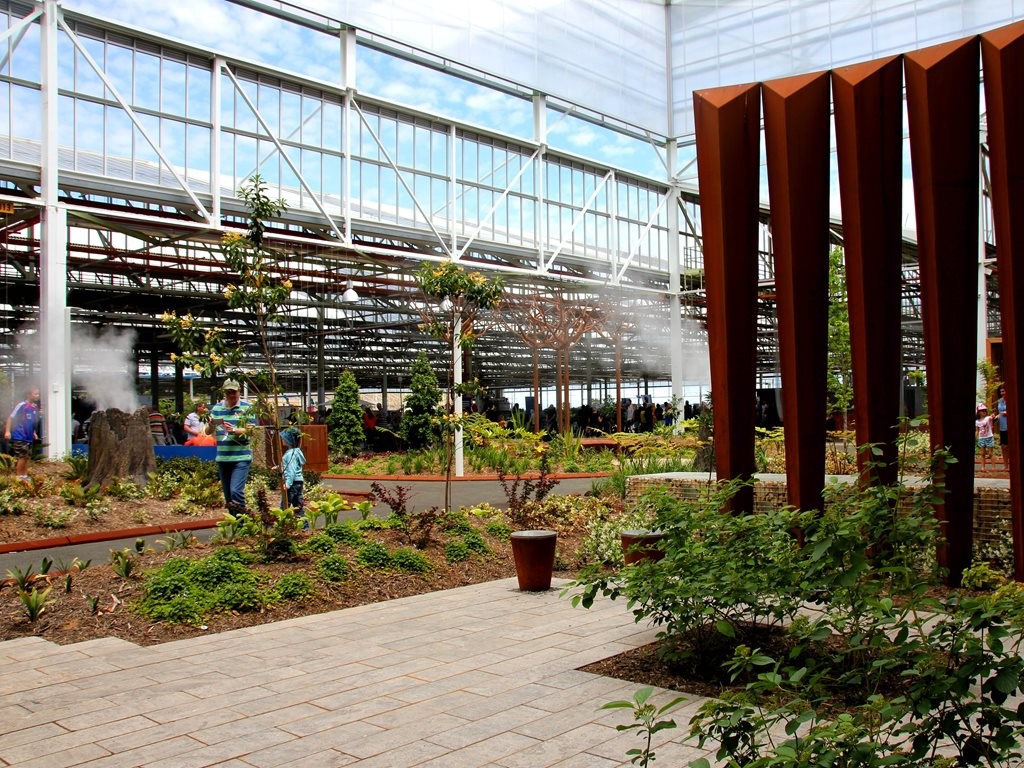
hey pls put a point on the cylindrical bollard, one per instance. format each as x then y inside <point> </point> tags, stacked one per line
<point>641,545</point>
<point>534,553</point>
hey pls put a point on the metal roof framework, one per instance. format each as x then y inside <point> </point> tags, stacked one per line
<point>154,136</point>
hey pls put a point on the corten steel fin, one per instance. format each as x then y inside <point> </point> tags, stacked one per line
<point>868,103</point>
<point>943,109</point>
<point>1002,55</point>
<point>796,128</point>
<point>727,122</point>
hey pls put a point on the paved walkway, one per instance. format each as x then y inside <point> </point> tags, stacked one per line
<point>483,675</point>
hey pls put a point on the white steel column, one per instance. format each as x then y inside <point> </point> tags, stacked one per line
<point>674,306</point>
<point>453,185</point>
<point>348,75</point>
<point>215,140</point>
<point>54,320</point>
<point>460,467</point>
<point>675,312</point>
<point>540,135</point>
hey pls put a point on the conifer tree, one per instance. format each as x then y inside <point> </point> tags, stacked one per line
<point>419,423</point>
<point>345,421</point>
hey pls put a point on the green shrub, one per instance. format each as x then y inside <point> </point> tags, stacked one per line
<point>456,551</point>
<point>239,596</point>
<point>498,529</point>
<point>981,575</point>
<point>333,568</point>
<point>11,502</point>
<point>456,522</point>
<point>53,518</point>
<point>293,586</point>
<point>475,542</point>
<point>187,590</point>
<point>410,560</point>
<point>346,533</point>
<point>603,543</point>
<point>124,489</point>
<point>321,544</point>
<point>374,555</point>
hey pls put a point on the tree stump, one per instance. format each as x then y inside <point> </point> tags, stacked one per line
<point>120,445</point>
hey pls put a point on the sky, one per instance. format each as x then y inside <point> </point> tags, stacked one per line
<point>254,36</point>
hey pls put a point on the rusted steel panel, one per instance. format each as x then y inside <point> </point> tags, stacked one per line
<point>943,108</point>
<point>1002,54</point>
<point>868,102</point>
<point>728,153</point>
<point>796,126</point>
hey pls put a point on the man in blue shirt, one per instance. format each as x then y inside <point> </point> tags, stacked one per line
<point>228,421</point>
<point>22,429</point>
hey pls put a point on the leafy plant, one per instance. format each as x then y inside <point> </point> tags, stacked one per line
<point>498,529</point>
<point>78,495</point>
<point>410,560</point>
<point>178,540</point>
<point>397,499</point>
<point>293,586</point>
<point>520,491</point>
<point>603,543</point>
<point>207,495</point>
<point>78,466</point>
<point>647,722</point>
<point>456,551</point>
<point>374,555</point>
<point>68,569</point>
<point>345,533</point>
<point>333,568</point>
<point>319,544</point>
<point>95,510</point>
<point>34,602</point>
<point>186,591</point>
<point>331,506</point>
<point>981,575</point>
<point>124,563</point>
<point>23,580</point>
<point>11,502</point>
<point>258,294</point>
<point>46,517</point>
<point>125,489</point>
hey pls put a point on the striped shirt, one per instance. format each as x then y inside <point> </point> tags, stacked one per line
<point>232,447</point>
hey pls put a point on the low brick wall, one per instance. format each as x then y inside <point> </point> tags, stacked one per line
<point>992,517</point>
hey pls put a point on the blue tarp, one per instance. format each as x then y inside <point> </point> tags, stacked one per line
<point>204,452</point>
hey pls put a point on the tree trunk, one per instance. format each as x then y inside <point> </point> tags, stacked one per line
<point>618,385</point>
<point>536,391</point>
<point>120,446</point>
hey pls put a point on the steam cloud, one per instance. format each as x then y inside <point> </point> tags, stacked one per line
<point>104,367</point>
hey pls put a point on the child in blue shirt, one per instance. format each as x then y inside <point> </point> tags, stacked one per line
<point>291,467</point>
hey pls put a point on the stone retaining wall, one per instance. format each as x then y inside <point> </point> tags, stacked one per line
<point>992,518</point>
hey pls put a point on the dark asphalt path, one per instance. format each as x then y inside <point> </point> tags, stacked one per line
<point>425,494</point>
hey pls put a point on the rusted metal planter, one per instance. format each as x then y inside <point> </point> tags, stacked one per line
<point>642,545</point>
<point>534,553</point>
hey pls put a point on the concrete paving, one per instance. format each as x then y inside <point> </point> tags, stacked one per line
<point>483,675</point>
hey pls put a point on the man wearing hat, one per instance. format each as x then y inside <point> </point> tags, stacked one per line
<point>228,421</point>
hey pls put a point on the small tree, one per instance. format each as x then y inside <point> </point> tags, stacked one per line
<point>345,422</point>
<point>259,296</point>
<point>461,298</point>
<point>418,427</point>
